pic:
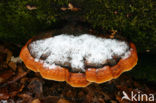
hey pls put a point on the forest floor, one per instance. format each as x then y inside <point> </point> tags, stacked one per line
<point>20,85</point>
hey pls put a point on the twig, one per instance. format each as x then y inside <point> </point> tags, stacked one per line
<point>18,77</point>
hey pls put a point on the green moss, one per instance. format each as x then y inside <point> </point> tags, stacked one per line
<point>133,19</point>
<point>18,22</point>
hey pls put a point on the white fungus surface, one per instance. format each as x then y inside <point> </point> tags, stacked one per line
<point>75,51</point>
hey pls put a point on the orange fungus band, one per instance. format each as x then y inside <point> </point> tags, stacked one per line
<point>96,75</point>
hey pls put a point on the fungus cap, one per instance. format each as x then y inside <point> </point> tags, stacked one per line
<point>79,60</point>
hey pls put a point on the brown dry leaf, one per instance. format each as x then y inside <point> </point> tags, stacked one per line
<point>36,101</point>
<point>15,92</point>
<point>16,78</point>
<point>63,101</point>
<point>12,65</point>
<point>70,6</point>
<point>64,9</point>
<point>113,101</point>
<point>26,98</point>
<point>113,33</point>
<point>4,96</point>
<point>5,75</point>
<point>31,7</point>
<point>20,69</point>
<point>101,100</point>
<point>10,91</point>
<point>24,80</point>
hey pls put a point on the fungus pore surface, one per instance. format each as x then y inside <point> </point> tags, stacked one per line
<point>78,52</point>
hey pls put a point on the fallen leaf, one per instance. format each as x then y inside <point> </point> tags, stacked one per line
<point>63,101</point>
<point>64,9</point>
<point>70,6</point>
<point>31,7</point>
<point>36,101</point>
<point>6,75</point>
<point>12,65</point>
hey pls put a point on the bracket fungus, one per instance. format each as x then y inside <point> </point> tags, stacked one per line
<point>79,60</point>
